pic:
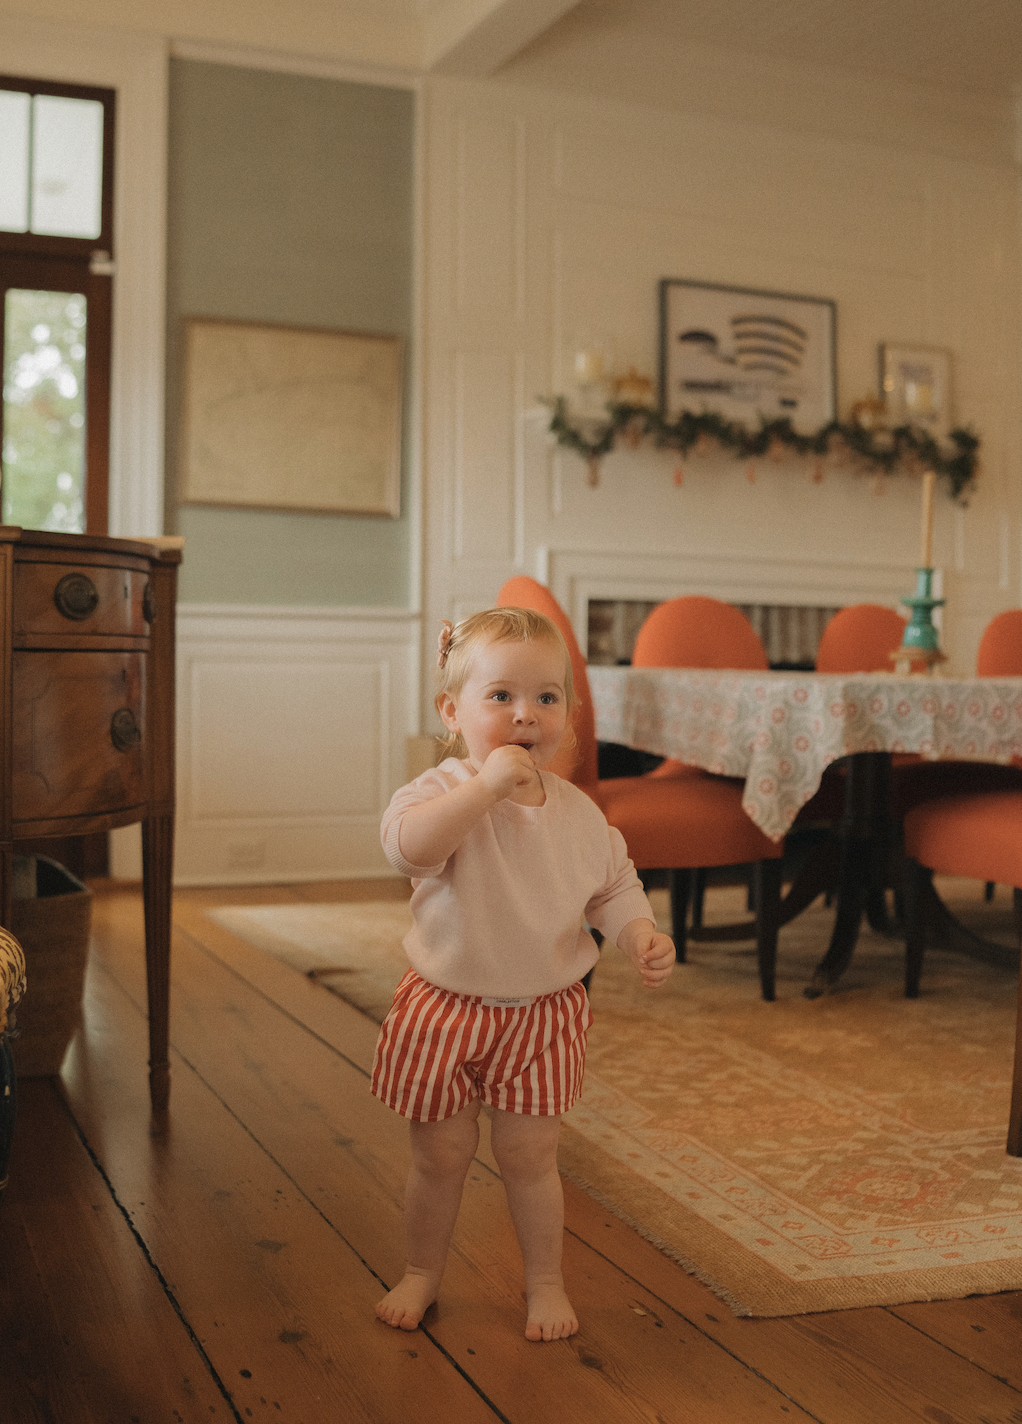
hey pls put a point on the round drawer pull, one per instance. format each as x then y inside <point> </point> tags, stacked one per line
<point>76,596</point>
<point>125,732</point>
<point>149,604</point>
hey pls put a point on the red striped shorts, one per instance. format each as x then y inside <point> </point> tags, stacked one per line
<point>438,1050</point>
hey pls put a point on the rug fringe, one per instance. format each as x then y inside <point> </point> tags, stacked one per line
<point>721,1292</point>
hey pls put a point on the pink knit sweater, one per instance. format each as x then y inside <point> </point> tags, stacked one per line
<point>504,916</point>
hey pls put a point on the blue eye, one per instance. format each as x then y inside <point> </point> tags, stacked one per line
<point>548,698</point>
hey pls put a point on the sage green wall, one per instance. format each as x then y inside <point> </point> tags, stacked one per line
<point>290,200</point>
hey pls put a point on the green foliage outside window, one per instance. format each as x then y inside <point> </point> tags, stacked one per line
<point>43,483</point>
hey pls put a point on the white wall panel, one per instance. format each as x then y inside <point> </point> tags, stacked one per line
<point>294,721</point>
<point>291,740</point>
<point>490,175</point>
<point>485,451</point>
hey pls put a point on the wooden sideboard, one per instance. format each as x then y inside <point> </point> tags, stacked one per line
<point>87,717</point>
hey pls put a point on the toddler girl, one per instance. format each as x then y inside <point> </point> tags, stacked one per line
<point>508,862</point>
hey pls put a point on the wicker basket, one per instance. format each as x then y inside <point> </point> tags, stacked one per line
<point>54,932</point>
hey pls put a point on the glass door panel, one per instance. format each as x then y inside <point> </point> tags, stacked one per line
<point>44,434</point>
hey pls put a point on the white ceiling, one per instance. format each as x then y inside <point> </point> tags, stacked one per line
<point>959,44</point>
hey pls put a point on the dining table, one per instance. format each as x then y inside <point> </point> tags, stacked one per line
<point>779,731</point>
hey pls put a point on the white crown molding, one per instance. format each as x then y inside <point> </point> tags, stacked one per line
<point>242,57</point>
<point>476,37</point>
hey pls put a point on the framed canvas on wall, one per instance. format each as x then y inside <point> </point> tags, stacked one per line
<point>747,354</point>
<point>285,417</point>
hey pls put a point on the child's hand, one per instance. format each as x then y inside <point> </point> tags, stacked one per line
<point>507,768</point>
<point>652,953</point>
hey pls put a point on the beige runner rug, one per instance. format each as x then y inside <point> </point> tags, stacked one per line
<point>797,1156</point>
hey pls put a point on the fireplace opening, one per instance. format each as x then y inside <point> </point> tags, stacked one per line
<point>790,633</point>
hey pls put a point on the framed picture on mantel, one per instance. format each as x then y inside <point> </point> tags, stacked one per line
<point>292,418</point>
<point>915,385</point>
<point>746,354</point>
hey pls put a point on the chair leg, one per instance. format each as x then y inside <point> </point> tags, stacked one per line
<point>918,881</point>
<point>767,888</point>
<point>681,888</point>
<point>698,898</point>
<point>988,890</point>
<point>1014,1143</point>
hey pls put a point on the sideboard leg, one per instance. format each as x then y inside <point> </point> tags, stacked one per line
<point>157,871</point>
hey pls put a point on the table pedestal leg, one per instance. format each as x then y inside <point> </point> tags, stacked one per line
<point>157,871</point>
<point>864,835</point>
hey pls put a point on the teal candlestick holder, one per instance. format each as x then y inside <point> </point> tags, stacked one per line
<point>920,642</point>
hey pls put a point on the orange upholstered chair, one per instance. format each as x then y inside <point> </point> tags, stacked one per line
<point>860,638</point>
<point>1000,648</point>
<point>676,825</point>
<point>696,632</point>
<point>978,836</point>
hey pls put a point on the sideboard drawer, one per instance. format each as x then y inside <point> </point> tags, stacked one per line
<point>79,598</point>
<point>79,727</point>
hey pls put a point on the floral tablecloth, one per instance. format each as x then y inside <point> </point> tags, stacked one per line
<point>780,730</point>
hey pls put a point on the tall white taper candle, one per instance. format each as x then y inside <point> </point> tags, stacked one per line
<point>926,537</point>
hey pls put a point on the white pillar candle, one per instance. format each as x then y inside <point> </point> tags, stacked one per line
<point>588,367</point>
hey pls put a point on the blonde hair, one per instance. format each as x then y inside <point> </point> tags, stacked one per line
<point>459,643</point>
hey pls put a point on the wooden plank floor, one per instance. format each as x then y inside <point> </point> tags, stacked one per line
<point>226,1268</point>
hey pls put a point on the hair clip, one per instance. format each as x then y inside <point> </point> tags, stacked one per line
<point>443,643</point>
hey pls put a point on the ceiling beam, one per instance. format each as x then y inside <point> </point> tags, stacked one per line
<point>475,37</point>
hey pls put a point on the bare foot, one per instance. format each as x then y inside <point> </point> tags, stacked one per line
<point>550,1314</point>
<point>407,1303</point>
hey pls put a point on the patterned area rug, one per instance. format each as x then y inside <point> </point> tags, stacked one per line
<point>799,1156</point>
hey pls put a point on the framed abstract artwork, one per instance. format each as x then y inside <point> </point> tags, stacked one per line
<point>747,355</point>
<point>292,418</point>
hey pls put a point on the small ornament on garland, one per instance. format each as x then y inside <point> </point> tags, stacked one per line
<point>637,392</point>
<point>634,390</point>
<point>869,413</point>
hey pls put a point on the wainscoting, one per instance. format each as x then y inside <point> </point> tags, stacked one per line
<point>291,736</point>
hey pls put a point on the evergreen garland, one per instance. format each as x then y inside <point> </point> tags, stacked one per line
<point>905,447</point>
